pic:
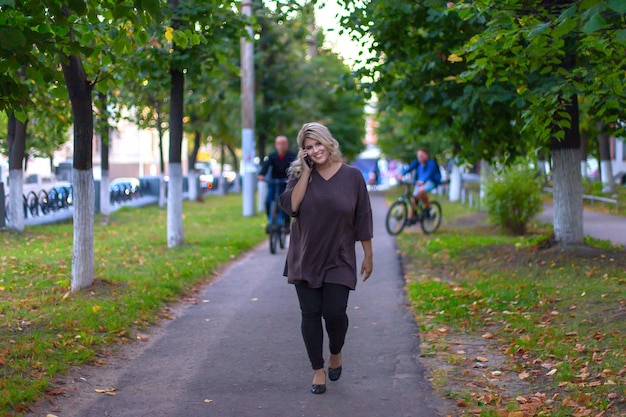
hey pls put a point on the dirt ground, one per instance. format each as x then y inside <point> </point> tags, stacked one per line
<point>470,369</point>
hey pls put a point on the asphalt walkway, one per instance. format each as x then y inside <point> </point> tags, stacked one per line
<point>597,225</point>
<point>238,352</point>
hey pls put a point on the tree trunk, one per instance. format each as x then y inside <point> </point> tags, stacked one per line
<point>236,185</point>
<point>568,202</point>
<point>192,174</point>
<point>606,169</point>
<point>17,144</point>
<point>568,195</point>
<point>162,185</point>
<point>584,146</point>
<point>105,195</point>
<point>456,183</point>
<point>175,230</point>
<point>79,90</point>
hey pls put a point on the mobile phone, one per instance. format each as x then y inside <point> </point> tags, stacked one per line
<point>308,161</point>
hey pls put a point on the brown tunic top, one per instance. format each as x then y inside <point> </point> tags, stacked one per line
<point>333,215</point>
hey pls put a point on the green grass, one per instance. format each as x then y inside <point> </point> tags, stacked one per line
<point>542,305</point>
<point>44,330</point>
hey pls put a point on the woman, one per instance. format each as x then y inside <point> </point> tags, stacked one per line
<point>331,210</point>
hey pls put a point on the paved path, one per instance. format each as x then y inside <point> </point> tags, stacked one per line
<point>238,352</point>
<point>597,225</point>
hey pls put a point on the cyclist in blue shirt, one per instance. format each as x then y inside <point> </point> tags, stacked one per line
<point>427,178</point>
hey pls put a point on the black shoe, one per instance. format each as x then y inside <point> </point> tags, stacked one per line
<point>334,373</point>
<point>318,389</point>
<point>268,228</point>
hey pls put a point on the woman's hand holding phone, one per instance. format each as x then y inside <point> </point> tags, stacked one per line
<point>306,160</point>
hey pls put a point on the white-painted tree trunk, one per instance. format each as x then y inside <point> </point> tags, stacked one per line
<point>83,253</point>
<point>105,195</point>
<point>568,197</point>
<point>162,193</point>
<point>606,172</point>
<point>192,185</point>
<point>485,176</point>
<point>175,232</point>
<point>261,196</point>
<point>456,183</point>
<point>221,185</point>
<point>16,200</point>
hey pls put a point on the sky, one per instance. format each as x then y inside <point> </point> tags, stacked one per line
<point>342,44</point>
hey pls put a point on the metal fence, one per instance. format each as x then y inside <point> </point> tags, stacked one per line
<point>58,198</point>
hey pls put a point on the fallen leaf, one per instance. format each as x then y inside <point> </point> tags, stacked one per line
<point>523,375</point>
<point>488,336</point>
<point>552,372</point>
<point>208,401</point>
<point>482,359</point>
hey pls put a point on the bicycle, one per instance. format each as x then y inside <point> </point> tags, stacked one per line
<point>278,222</point>
<point>398,214</point>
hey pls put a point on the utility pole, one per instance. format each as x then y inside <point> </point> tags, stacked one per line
<point>247,113</point>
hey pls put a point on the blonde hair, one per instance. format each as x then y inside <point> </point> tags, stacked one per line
<point>320,133</point>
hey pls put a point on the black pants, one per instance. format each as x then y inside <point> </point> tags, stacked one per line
<point>329,302</point>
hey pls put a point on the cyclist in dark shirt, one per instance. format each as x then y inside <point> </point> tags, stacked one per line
<point>427,178</point>
<point>279,162</point>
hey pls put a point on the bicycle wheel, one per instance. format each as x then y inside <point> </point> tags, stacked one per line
<point>283,233</point>
<point>274,228</point>
<point>432,221</point>
<point>33,204</point>
<point>44,203</point>
<point>396,217</point>
<point>25,204</point>
<point>274,240</point>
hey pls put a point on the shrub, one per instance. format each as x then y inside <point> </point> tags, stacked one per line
<point>513,198</point>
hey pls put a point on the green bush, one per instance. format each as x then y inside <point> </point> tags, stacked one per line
<point>513,198</point>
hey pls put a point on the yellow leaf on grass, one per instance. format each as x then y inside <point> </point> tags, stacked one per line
<point>96,308</point>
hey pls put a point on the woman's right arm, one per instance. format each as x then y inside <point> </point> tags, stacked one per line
<point>297,195</point>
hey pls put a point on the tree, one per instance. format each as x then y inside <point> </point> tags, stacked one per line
<point>550,51</point>
<point>73,33</point>
<point>500,79</point>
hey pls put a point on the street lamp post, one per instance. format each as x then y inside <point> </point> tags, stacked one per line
<point>247,113</point>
